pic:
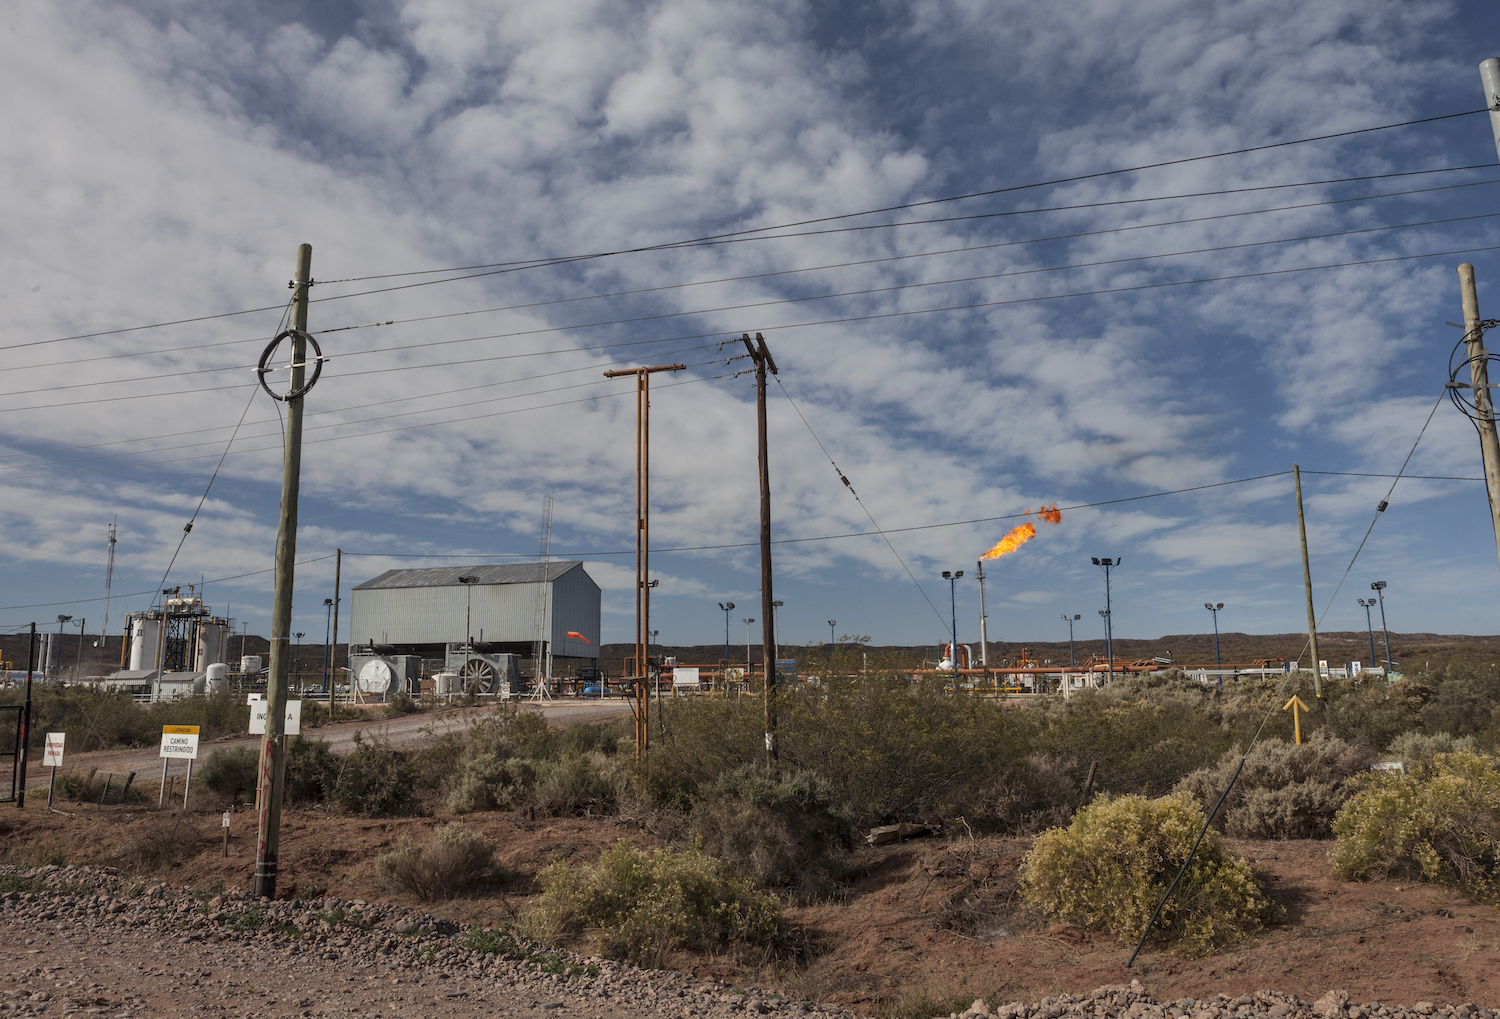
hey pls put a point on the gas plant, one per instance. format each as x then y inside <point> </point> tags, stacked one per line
<point>177,650</point>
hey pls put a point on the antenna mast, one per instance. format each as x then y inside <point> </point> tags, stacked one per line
<point>109,576</point>
<point>541,652</point>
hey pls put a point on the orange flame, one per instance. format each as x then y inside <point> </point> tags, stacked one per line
<point>1051,514</point>
<point>1012,541</point>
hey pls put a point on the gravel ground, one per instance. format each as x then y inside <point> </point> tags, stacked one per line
<point>93,941</point>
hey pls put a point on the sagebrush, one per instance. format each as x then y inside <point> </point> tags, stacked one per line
<point>455,859</point>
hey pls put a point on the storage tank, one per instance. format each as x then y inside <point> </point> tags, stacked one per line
<point>145,643</point>
<point>218,678</point>
<point>213,643</point>
<point>250,664</point>
<point>444,683</point>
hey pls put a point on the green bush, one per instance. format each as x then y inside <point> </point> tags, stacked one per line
<point>571,785</point>
<point>1112,865</point>
<point>1037,793</point>
<point>376,780</point>
<point>232,772</point>
<point>100,719</point>
<point>312,769</point>
<point>455,859</point>
<point>491,782</point>
<point>639,905</point>
<point>1412,748</point>
<point>777,831</point>
<point>1285,791</point>
<point>1438,823</point>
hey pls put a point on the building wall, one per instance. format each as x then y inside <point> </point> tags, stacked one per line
<point>500,612</point>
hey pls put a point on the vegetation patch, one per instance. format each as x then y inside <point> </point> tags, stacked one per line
<point>1112,865</point>
<point>454,860</point>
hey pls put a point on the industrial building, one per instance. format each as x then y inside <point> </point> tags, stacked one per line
<point>175,651</point>
<point>489,625</point>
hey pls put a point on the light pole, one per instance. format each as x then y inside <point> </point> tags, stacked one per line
<point>728,607</point>
<point>748,670</point>
<point>776,628</point>
<point>1108,614</point>
<point>327,633</point>
<point>468,583</point>
<point>1070,620</point>
<point>298,659</point>
<point>1215,610</point>
<point>1367,604</point>
<point>1379,588</point>
<point>952,579</point>
<point>57,653</point>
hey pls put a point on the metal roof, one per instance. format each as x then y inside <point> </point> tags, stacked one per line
<point>447,576</point>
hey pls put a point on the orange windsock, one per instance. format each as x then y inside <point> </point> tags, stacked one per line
<point>1012,541</point>
<point>575,633</point>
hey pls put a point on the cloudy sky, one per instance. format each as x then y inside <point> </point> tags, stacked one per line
<point>937,215</point>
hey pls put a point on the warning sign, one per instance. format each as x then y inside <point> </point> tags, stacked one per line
<point>179,744</point>
<point>291,725</point>
<point>52,750</point>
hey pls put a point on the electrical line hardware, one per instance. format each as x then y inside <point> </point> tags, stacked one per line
<point>261,370</point>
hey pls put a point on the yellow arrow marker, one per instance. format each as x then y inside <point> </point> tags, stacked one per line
<point>1296,707</point>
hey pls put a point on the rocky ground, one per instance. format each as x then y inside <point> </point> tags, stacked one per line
<point>94,941</point>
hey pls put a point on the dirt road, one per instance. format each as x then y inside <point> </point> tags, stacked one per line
<point>406,730</point>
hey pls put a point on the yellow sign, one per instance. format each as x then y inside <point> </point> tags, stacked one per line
<point>1296,707</point>
<point>180,730</point>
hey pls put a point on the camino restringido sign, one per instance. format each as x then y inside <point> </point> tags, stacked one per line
<point>179,741</point>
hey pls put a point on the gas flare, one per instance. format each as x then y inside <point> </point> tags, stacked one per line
<point>1051,514</point>
<point>1012,541</point>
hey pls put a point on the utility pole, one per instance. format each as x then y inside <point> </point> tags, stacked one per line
<point>984,638</point>
<point>1479,379</point>
<point>21,751</point>
<point>642,545</point>
<point>761,355</point>
<point>333,677</point>
<point>1312,619</point>
<point>109,576</point>
<point>272,773</point>
<point>83,627</point>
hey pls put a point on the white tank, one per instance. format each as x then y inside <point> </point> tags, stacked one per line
<point>250,664</point>
<point>444,683</point>
<point>218,678</point>
<point>145,643</point>
<point>213,642</point>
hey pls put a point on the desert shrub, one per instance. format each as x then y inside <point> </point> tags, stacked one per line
<point>1286,790</point>
<point>401,703</point>
<point>1466,698</point>
<point>1439,823</point>
<point>455,859</point>
<point>1415,747</point>
<point>312,768</point>
<point>231,772</point>
<point>1040,792</point>
<point>1112,865</point>
<point>1373,712</point>
<point>490,782</point>
<point>640,905</point>
<point>376,780</point>
<point>588,737</point>
<point>161,841</point>
<point>315,713</point>
<point>572,784</point>
<point>99,719</point>
<point>776,830</point>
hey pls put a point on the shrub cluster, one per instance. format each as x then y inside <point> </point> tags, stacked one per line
<point>639,906</point>
<point>454,860</point>
<point>1440,823</point>
<point>1112,865</point>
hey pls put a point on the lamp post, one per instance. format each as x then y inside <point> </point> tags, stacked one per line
<point>298,659</point>
<point>1379,588</point>
<point>1215,610</point>
<point>776,629</point>
<point>1070,620</point>
<point>468,583</point>
<point>748,670</point>
<point>57,653</point>
<point>1108,614</point>
<point>1367,604</point>
<point>327,633</point>
<point>728,607</point>
<point>952,579</point>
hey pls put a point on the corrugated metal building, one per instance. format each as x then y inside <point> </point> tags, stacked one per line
<point>422,612</point>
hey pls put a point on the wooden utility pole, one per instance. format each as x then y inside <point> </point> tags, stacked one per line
<point>1312,619</point>
<point>761,355</point>
<point>333,651</point>
<point>1484,404</point>
<point>272,775</point>
<point>643,580</point>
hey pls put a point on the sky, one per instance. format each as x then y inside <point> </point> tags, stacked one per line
<point>982,293</point>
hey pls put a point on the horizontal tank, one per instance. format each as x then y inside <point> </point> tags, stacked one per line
<point>250,664</point>
<point>145,643</point>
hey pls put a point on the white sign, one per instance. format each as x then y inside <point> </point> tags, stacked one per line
<point>259,710</point>
<point>180,744</point>
<point>52,750</point>
<point>685,675</point>
<point>226,819</point>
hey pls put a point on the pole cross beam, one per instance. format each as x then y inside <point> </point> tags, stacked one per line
<point>642,542</point>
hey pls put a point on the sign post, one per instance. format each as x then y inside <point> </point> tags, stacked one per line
<point>177,741</point>
<point>52,755</point>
